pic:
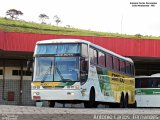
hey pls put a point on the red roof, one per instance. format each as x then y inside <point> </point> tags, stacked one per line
<point>25,42</point>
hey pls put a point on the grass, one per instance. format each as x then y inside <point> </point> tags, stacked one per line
<point>32,27</point>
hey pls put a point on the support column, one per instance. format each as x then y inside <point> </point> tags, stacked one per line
<point>3,90</point>
<point>21,81</point>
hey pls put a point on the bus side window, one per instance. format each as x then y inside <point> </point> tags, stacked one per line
<point>109,61</point>
<point>122,66</point>
<point>84,50</point>
<point>143,84</point>
<point>129,69</point>
<point>116,64</point>
<point>155,83</point>
<point>138,83</point>
<point>158,84</point>
<point>91,55</point>
<point>101,59</point>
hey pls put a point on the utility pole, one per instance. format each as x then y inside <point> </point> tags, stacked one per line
<point>121,23</point>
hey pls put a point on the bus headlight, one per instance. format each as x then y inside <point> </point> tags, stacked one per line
<point>70,93</point>
<point>36,93</point>
<point>77,87</point>
<point>35,87</point>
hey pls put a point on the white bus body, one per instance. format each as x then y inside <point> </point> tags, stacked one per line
<point>148,91</point>
<point>94,81</point>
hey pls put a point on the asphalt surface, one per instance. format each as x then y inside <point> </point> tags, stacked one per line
<point>10,112</point>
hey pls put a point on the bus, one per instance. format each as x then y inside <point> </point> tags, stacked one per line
<point>78,71</point>
<point>148,90</point>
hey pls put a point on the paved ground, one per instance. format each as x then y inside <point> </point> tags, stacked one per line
<point>8,112</point>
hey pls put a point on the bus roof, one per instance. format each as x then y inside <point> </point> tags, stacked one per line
<point>147,76</point>
<point>156,75</point>
<point>82,41</point>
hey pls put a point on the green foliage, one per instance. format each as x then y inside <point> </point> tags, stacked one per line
<point>32,27</point>
<point>43,17</point>
<point>13,13</point>
<point>57,19</point>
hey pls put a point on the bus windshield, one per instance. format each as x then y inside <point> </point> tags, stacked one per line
<point>56,69</point>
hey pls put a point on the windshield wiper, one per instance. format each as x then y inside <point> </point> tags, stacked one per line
<point>46,73</point>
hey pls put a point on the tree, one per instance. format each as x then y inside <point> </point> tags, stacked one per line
<point>43,17</point>
<point>13,13</point>
<point>68,26</point>
<point>138,35</point>
<point>57,19</point>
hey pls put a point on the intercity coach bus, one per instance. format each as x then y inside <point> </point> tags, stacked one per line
<point>148,90</point>
<point>74,70</point>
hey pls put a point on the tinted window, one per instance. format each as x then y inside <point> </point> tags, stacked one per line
<point>109,61</point>
<point>91,55</point>
<point>116,63</point>
<point>101,59</point>
<point>84,50</point>
<point>128,68</point>
<point>138,83</point>
<point>122,66</point>
<point>95,58</point>
<point>147,82</point>
<point>132,69</point>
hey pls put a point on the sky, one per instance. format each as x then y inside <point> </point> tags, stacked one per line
<point>116,16</point>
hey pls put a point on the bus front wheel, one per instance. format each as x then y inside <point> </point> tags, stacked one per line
<point>91,103</point>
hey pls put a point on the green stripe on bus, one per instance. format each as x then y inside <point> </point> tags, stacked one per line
<point>147,91</point>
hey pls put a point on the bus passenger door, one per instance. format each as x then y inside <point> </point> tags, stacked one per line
<point>83,74</point>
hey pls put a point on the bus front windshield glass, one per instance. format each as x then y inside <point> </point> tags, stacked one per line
<point>56,69</point>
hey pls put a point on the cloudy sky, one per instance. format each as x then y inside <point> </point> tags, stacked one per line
<point>117,16</point>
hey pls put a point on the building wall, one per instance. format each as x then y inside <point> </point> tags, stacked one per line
<point>21,88</point>
<point>14,84</point>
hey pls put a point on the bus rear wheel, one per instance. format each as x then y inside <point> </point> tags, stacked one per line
<point>126,105</point>
<point>121,104</point>
<point>51,103</point>
<point>91,103</point>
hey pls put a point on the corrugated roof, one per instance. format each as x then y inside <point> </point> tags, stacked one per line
<point>25,42</point>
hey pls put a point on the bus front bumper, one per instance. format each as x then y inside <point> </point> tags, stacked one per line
<point>56,95</point>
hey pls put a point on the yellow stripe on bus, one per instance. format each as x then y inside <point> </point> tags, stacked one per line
<point>46,83</point>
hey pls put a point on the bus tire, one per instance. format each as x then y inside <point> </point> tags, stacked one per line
<point>121,104</point>
<point>126,105</point>
<point>135,104</point>
<point>91,103</point>
<point>51,103</point>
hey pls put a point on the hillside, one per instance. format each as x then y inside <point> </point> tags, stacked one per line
<point>32,27</point>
